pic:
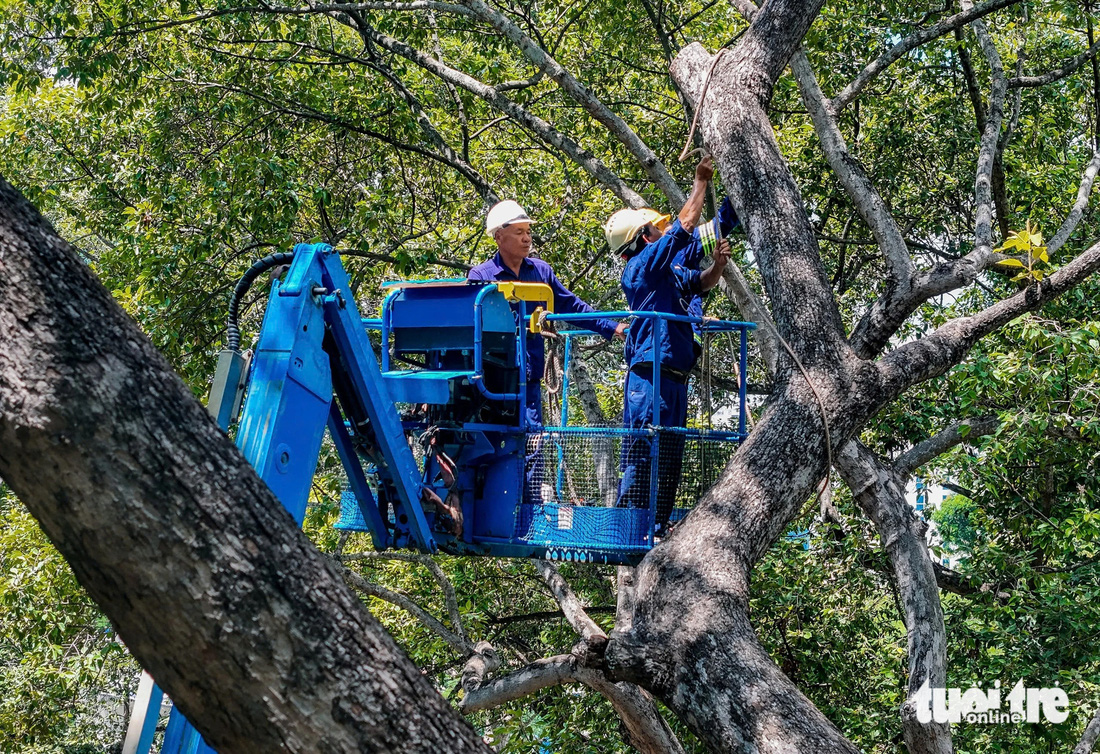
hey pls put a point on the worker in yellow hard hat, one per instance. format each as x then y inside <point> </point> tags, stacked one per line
<point>662,274</point>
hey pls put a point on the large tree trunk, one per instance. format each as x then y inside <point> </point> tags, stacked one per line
<point>203,573</point>
<point>690,640</point>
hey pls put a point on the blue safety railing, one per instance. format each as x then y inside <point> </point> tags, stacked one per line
<point>706,324</point>
<point>547,510</point>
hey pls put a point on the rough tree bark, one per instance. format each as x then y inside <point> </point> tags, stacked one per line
<point>691,641</point>
<point>203,573</point>
<point>881,495</point>
<point>688,637</point>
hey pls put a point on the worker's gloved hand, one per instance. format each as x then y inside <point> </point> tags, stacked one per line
<point>722,253</point>
<point>704,171</point>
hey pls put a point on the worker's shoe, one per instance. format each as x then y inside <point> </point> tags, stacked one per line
<point>661,531</point>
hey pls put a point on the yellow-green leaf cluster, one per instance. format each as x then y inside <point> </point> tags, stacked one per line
<point>1028,244</point>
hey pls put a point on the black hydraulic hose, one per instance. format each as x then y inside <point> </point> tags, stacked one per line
<point>233,331</point>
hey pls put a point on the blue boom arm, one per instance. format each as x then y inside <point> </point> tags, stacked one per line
<point>314,368</point>
<point>312,360</point>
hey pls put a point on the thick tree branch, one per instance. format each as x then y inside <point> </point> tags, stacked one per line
<point>941,442</point>
<point>1090,736</point>
<point>540,674</point>
<point>144,27</point>
<point>1067,69</point>
<point>728,690</point>
<point>481,664</point>
<point>983,178</point>
<point>937,352</point>
<point>952,581</point>
<point>887,314</point>
<point>499,101</point>
<point>774,33</point>
<point>570,604</point>
<point>645,729</point>
<point>624,598</point>
<point>741,160</point>
<point>965,431</point>
<point>733,283</point>
<point>1078,210</point>
<point>913,41</point>
<point>865,197</point>
<point>130,477</point>
<point>737,289</point>
<point>545,63</point>
<point>643,726</point>
<point>880,495</point>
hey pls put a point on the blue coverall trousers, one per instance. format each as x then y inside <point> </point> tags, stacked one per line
<point>534,466</point>
<point>637,452</point>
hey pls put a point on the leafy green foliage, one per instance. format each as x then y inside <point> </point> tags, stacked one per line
<point>64,675</point>
<point>173,152</point>
<point>955,519</point>
<point>1028,243</point>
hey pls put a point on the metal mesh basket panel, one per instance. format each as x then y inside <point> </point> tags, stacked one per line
<point>575,494</point>
<point>712,389</point>
<point>351,518</point>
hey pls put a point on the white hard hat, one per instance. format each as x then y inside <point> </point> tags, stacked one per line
<point>505,213</point>
<point>623,226</point>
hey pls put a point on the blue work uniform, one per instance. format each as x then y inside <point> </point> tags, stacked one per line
<point>692,257</point>
<point>663,277</point>
<point>533,270</point>
<point>565,302</point>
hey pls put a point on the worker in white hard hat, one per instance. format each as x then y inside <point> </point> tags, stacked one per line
<point>662,274</point>
<point>510,227</point>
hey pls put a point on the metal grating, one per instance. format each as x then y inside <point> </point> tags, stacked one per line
<point>576,496</point>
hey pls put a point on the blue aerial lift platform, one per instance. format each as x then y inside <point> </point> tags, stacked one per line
<point>431,429</point>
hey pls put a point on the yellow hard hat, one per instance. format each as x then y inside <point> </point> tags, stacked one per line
<point>623,226</point>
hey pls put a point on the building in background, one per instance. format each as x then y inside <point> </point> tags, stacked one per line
<point>926,496</point>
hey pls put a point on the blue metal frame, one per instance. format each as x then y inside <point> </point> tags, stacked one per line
<point>290,403</point>
<point>566,358</point>
<point>315,369</point>
<point>661,318</point>
<point>478,376</point>
<point>517,545</point>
